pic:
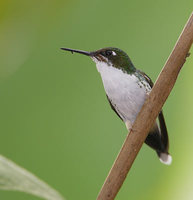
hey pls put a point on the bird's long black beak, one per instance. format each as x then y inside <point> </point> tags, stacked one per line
<point>77,51</point>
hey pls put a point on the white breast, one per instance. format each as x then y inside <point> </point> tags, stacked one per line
<point>125,91</point>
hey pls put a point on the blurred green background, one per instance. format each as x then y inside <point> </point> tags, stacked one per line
<point>54,116</point>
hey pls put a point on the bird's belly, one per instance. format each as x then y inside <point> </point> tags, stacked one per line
<point>126,95</point>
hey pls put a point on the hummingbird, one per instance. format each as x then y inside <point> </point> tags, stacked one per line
<point>127,89</point>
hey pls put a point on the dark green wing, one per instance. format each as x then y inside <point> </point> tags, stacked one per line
<point>146,78</point>
<point>163,130</point>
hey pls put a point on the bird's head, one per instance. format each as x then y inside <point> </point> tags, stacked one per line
<point>111,56</point>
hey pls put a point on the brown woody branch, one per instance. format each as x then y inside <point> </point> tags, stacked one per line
<point>148,114</point>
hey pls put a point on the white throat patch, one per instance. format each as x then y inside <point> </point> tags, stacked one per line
<point>125,91</point>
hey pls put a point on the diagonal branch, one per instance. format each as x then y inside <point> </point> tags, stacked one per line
<point>148,114</point>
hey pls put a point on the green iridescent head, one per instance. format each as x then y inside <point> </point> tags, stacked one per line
<point>111,56</point>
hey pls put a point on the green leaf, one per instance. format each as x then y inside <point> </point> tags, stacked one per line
<point>14,177</point>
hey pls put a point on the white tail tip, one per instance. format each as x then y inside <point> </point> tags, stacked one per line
<point>165,158</point>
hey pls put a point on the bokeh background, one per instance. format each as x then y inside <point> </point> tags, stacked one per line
<point>54,116</point>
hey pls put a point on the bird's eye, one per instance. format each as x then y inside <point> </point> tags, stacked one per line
<point>108,53</point>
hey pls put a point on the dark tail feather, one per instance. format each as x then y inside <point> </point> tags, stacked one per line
<point>158,140</point>
<point>164,132</point>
